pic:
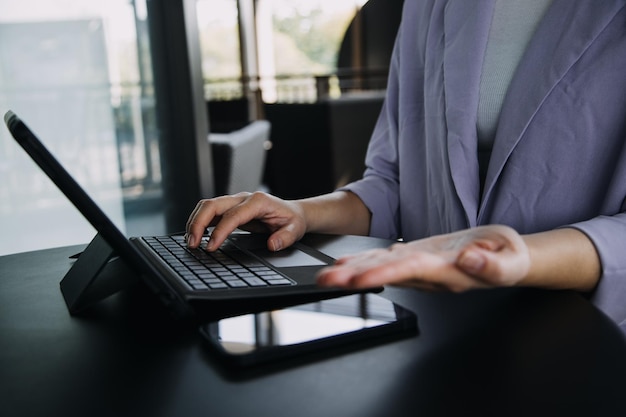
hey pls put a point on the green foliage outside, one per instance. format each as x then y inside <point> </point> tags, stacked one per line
<point>315,40</point>
<point>305,42</point>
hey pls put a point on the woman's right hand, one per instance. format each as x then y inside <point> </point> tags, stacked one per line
<point>253,212</point>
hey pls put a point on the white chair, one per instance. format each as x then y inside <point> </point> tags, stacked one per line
<point>239,157</point>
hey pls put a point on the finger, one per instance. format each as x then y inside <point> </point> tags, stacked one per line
<point>284,237</point>
<point>504,267</point>
<point>249,208</point>
<point>422,271</point>
<point>197,224</point>
<point>192,215</point>
<point>206,213</point>
<point>334,276</point>
<point>370,269</point>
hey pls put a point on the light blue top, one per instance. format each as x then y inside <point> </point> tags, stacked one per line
<point>512,25</point>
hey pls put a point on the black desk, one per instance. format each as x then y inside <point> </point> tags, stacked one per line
<point>497,352</point>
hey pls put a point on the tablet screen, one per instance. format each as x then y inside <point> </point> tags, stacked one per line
<point>254,338</point>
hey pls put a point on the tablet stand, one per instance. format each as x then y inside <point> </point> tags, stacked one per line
<point>97,273</point>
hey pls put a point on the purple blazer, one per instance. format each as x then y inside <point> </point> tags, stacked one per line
<point>559,157</point>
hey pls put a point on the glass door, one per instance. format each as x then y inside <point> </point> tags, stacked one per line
<point>78,73</point>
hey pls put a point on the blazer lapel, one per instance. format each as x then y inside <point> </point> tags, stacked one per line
<point>566,31</point>
<point>466,28</point>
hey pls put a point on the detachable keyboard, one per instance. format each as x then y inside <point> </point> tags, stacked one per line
<point>228,267</point>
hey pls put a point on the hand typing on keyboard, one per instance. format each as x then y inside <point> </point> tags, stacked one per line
<point>286,221</point>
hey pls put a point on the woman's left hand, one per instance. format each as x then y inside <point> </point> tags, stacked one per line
<point>485,256</point>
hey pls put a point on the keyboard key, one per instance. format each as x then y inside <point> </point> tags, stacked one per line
<point>212,281</point>
<point>229,267</point>
<point>236,283</point>
<point>283,281</point>
<point>255,282</point>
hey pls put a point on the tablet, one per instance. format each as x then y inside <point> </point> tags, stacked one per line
<point>348,322</point>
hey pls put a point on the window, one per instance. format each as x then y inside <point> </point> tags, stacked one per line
<point>308,33</point>
<point>219,42</point>
<point>78,73</point>
<point>295,41</point>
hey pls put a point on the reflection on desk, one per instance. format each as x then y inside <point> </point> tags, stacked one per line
<point>506,352</point>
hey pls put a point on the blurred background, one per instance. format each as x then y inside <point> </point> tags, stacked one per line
<point>126,92</point>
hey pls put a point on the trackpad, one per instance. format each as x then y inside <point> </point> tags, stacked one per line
<point>285,258</point>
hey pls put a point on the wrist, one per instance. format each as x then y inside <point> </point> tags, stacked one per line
<point>562,259</point>
<point>340,212</point>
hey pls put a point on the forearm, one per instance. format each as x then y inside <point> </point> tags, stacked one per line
<point>562,259</point>
<point>340,212</point>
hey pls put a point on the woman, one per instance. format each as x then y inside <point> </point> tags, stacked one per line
<point>498,156</point>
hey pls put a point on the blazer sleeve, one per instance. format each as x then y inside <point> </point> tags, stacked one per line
<point>608,234</point>
<point>378,188</point>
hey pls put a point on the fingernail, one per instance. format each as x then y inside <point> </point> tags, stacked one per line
<point>276,245</point>
<point>321,278</point>
<point>472,261</point>
<point>190,240</point>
